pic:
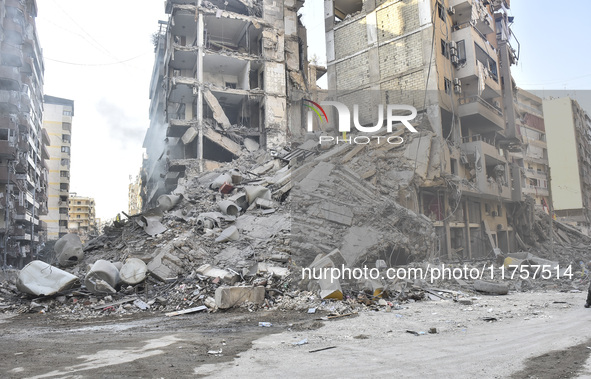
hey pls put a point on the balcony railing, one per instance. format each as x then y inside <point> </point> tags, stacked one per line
<point>478,99</point>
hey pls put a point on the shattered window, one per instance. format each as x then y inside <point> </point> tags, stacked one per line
<point>441,11</point>
<point>447,86</point>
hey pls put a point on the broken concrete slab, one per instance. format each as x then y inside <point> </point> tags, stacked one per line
<point>228,297</point>
<point>41,279</point>
<point>491,287</point>
<point>334,212</point>
<point>222,141</point>
<point>330,289</point>
<point>251,145</point>
<point>186,311</point>
<point>214,272</point>
<point>190,135</point>
<point>218,112</point>
<point>357,241</point>
<point>262,228</point>
<point>134,271</point>
<point>229,234</point>
<point>68,250</point>
<point>165,266</point>
<point>103,277</point>
<point>263,268</point>
<point>419,151</point>
<point>319,174</point>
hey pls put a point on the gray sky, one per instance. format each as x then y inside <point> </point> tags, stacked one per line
<point>100,55</point>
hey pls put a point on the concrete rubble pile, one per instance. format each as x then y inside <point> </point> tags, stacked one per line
<point>243,234</point>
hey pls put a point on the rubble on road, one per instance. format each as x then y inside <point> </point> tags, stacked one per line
<point>241,235</point>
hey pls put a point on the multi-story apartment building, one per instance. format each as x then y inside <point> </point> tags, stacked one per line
<point>451,60</point>
<point>533,157</point>
<point>225,72</point>
<point>23,171</point>
<point>568,128</point>
<point>57,122</point>
<point>82,217</point>
<point>134,202</point>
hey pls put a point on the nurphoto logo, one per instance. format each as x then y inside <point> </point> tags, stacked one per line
<point>344,122</point>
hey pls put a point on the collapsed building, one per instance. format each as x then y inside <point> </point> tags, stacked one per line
<point>451,61</point>
<point>23,142</point>
<point>224,75</point>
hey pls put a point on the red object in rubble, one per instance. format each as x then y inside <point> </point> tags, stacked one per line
<point>226,188</point>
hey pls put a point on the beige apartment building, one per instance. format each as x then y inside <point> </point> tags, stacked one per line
<point>82,217</point>
<point>57,122</point>
<point>568,131</point>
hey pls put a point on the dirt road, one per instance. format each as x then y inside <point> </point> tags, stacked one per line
<point>541,335</point>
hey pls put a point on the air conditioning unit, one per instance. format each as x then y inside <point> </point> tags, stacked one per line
<point>457,82</point>
<point>458,89</point>
<point>451,11</point>
<point>455,60</point>
<point>453,47</point>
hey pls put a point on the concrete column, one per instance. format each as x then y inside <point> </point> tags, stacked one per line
<point>446,225</point>
<point>200,51</point>
<point>467,227</point>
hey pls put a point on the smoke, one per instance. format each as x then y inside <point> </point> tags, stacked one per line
<point>128,131</point>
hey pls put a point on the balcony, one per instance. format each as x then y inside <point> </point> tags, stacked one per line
<point>7,149</point>
<point>64,217</point>
<point>480,115</point>
<point>472,12</point>
<point>535,190</point>
<point>170,3</point>
<point>10,78</point>
<point>13,31</point>
<point>492,178</point>
<point>183,57</point>
<point>65,179</point>
<point>181,90</point>
<point>10,101</point>
<point>12,55</point>
<point>177,128</point>
<point>6,175</point>
<point>478,68</point>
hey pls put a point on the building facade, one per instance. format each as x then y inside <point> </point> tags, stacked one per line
<point>82,214</point>
<point>57,122</point>
<point>226,74</point>
<point>23,151</point>
<point>451,60</point>
<point>533,157</point>
<point>568,128</point>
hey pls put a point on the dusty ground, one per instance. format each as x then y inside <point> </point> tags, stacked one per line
<point>535,335</point>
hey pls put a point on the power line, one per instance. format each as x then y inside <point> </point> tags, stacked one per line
<point>95,64</point>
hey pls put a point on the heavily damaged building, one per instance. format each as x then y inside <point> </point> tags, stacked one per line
<point>23,143</point>
<point>450,59</point>
<point>568,128</point>
<point>223,79</point>
<point>533,157</point>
